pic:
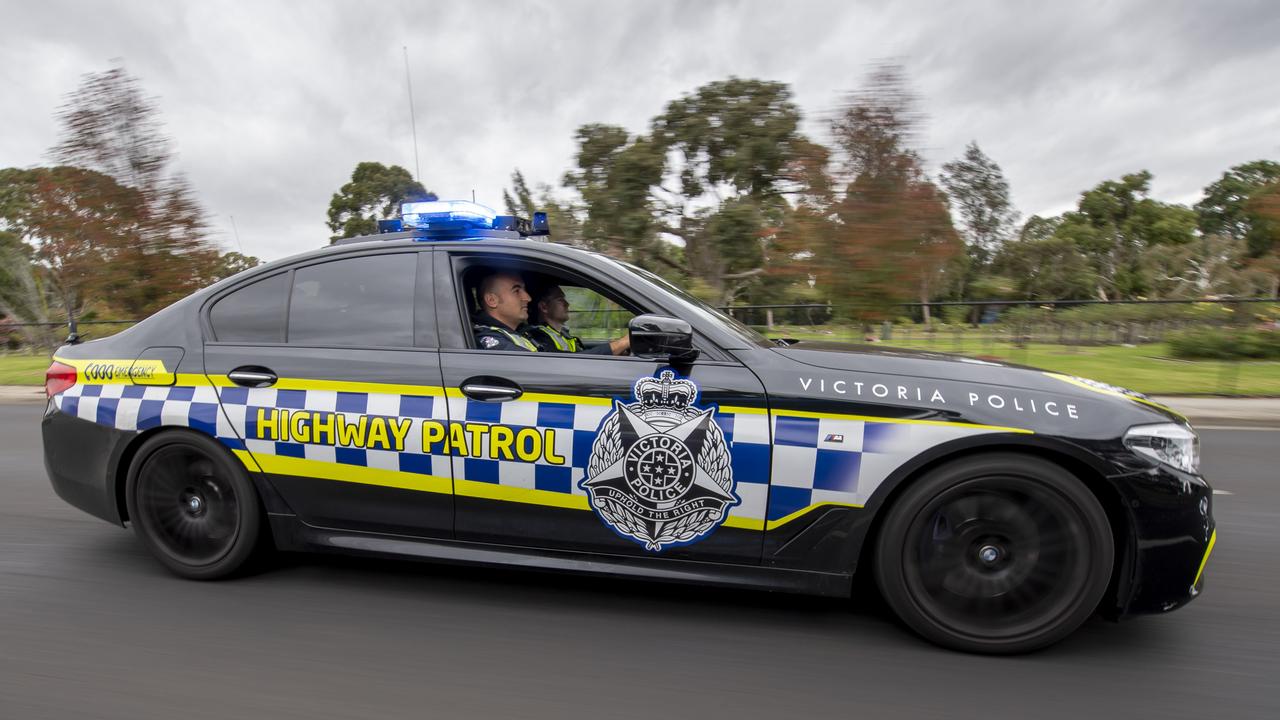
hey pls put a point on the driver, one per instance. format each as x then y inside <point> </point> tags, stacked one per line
<point>554,335</point>
<point>504,308</point>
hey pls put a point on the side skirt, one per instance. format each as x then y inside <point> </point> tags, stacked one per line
<point>291,534</point>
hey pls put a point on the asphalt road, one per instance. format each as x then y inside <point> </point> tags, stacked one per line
<point>91,627</point>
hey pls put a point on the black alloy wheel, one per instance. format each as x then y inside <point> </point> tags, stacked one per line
<point>192,505</point>
<point>999,553</point>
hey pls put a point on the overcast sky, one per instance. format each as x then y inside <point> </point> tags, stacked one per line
<point>271,104</point>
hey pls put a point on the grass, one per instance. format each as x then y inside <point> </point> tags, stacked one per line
<point>1145,368</point>
<point>23,369</point>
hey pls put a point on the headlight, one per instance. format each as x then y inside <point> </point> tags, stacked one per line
<point>1169,443</point>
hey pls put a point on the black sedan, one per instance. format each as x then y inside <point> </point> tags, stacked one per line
<point>340,401</point>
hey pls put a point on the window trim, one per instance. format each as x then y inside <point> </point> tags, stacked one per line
<point>425,335</point>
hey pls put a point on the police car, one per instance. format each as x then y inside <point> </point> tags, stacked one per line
<point>339,401</point>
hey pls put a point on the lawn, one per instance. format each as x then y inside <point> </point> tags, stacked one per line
<point>1145,368</point>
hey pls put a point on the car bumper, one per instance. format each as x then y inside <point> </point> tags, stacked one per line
<point>1173,534</point>
<point>81,458</point>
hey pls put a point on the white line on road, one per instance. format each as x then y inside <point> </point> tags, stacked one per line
<point>1236,427</point>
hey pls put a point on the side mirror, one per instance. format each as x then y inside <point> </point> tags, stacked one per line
<point>658,337</point>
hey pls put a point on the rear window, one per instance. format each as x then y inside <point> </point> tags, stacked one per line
<point>252,314</point>
<point>361,301</point>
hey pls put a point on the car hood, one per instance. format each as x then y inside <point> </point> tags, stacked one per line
<point>884,360</point>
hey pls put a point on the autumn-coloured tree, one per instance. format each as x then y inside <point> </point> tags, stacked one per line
<point>161,251</point>
<point>889,238</point>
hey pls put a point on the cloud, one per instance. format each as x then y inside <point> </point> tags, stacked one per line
<point>272,104</point>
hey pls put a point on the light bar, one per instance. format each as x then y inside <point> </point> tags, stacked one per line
<point>442,214</point>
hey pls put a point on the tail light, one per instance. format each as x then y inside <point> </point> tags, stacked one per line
<point>58,378</point>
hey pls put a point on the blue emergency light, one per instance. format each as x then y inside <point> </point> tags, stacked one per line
<point>447,215</point>
<point>461,220</point>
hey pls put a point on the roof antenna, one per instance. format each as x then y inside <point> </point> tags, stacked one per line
<point>236,230</point>
<point>413,121</point>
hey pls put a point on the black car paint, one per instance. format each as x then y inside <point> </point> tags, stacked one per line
<point>1163,514</point>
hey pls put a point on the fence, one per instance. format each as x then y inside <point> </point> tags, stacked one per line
<point>1065,333</point>
<point>1078,337</point>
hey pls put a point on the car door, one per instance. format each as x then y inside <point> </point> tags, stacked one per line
<point>327,372</point>
<point>576,451</point>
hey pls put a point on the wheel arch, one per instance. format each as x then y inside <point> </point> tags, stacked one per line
<point>120,479</point>
<point>1089,469</point>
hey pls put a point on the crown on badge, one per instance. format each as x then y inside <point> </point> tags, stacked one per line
<point>665,392</point>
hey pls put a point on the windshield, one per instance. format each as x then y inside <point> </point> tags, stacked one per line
<point>693,306</point>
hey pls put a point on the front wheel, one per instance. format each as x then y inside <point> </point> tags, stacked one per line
<point>193,507</point>
<point>999,553</point>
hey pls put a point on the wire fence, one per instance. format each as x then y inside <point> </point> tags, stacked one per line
<point>1090,338</point>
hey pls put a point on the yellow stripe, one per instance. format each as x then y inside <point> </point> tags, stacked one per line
<point>900,421</point>
<point>528,496</point>
<point>735,410</point>
<point>247,458</point>
<point>1213,539</point>
<point>775,524</point>
<point>1113,393</point>
<point>302,467</point>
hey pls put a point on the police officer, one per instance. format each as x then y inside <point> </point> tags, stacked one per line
<point>554,335</point>
<point>504,308</point>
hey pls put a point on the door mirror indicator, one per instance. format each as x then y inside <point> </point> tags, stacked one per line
<point>658,337</point>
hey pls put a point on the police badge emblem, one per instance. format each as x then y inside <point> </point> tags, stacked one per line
<point>659,472</point>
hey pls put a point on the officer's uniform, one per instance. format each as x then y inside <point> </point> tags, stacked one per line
<point>551,340</point>
<point>491,334</point>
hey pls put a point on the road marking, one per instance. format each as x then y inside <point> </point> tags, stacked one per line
<point>1236,427</point>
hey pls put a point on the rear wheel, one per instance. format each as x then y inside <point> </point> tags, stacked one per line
<point>999,553</point>
<point>192,506</point>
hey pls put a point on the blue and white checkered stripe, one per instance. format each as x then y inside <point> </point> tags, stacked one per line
<point>139,407</point>
<point>576,426</point>
<point>843,460</point>
<point>814,460</point>
<point>242,406</point>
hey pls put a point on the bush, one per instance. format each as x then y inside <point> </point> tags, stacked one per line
<point>1217,344</point>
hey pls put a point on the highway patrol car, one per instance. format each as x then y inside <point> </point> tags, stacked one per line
<point>339,401</point>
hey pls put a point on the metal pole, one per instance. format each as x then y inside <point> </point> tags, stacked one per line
<point>413,120</point>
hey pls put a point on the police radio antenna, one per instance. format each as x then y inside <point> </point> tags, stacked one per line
<point>413,120</point>
<point>236,232</point>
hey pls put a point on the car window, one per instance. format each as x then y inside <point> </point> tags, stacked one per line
<point>362,301</point>
<point>594,317</point>
<point>252,314</point>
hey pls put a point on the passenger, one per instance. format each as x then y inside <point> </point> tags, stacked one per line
<point>504,309</point>
<point>554,335</point>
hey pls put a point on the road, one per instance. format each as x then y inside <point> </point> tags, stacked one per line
<point>92,627</point>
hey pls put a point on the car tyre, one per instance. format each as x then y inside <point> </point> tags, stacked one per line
<point>997,553</point>
<point>193,506</point>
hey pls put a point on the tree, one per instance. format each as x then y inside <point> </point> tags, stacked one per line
<point>613,173</point>
<point>889,239</point>
<point>112,130</point>
<point>232,263</point>
<point>731,142</point>
<point>977,189</point>
<point>561,217</point>
<point>1226,208</point>
<point>374,193</point>
<point>1046,266</point>
<point>1114,224</point>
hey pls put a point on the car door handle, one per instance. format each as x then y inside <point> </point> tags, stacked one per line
<point>253,377</point>
<point>490,391</point>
